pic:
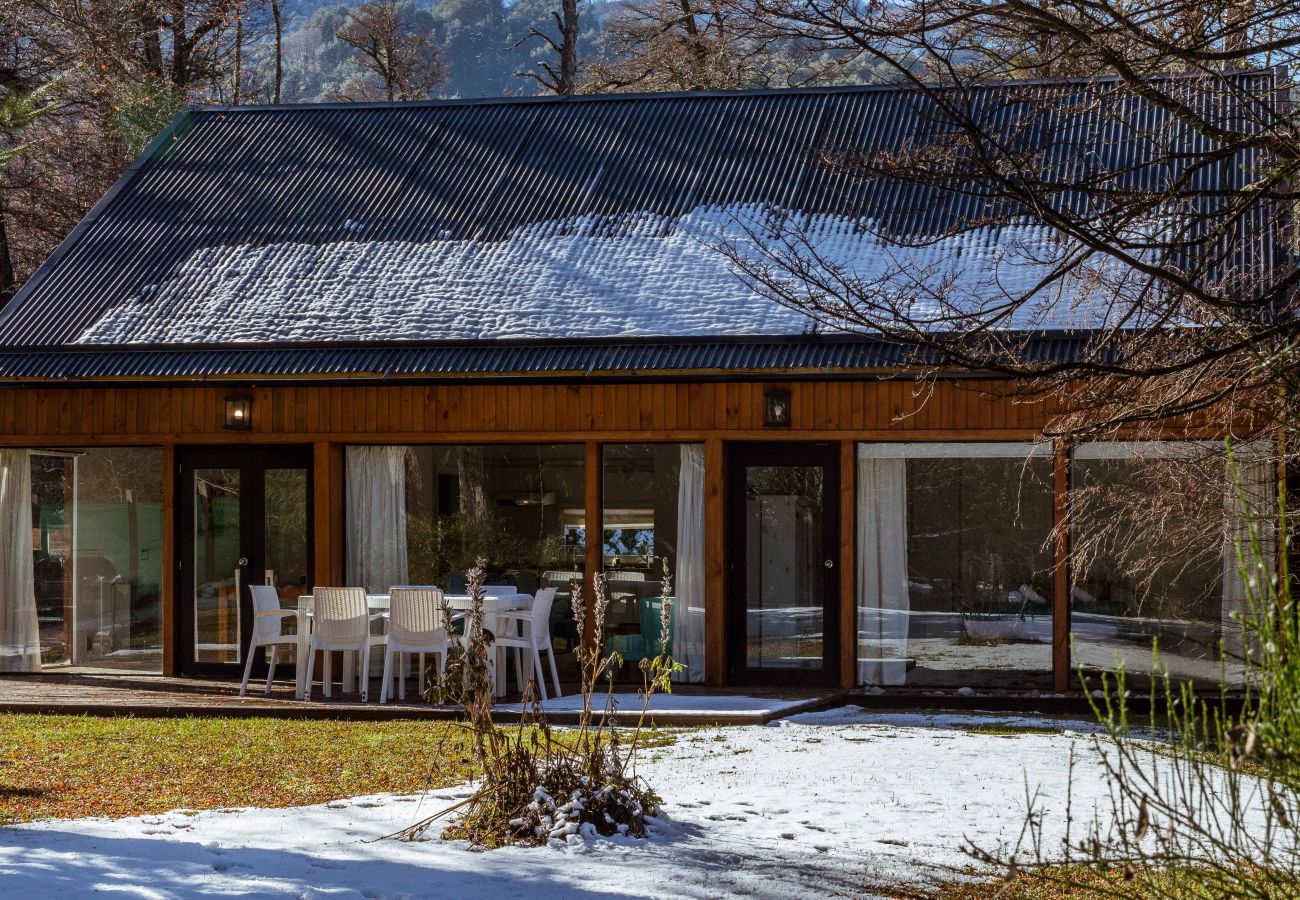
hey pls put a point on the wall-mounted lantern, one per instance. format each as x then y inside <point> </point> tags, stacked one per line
<point>778,408</point>
<point>239,413</point>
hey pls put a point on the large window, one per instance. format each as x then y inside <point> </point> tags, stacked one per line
<point>97,524</point>
<point>423,514</point>
<point>954,564</point>
<point>1153,558</point>
<point>653,520</point>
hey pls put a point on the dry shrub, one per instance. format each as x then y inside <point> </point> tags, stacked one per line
<point>542,783</point>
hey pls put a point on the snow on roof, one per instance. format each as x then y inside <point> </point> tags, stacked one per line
<point>661,277</point>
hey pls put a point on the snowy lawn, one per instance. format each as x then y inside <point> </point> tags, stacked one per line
<point>836,802</point>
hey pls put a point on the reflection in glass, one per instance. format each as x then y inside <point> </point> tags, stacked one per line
<point>422,515</point>
<point>653,518</point>
<point>1151,562</point>
<point>784,579</point>
<point>954,567</point>
<point>97,525</point>
<point>285,532</point>
<point>216,565</point>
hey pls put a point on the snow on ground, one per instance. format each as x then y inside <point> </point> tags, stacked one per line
<point>704,705</point>
<point>822,804</point>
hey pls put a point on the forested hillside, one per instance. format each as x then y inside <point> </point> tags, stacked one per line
<point>84,86</point>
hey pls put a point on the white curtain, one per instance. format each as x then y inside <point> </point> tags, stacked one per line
<point>883,600</point>
<point>1258,489</point>
<point>376,511</point>
<point>688,627</point>
<point>20,637</point>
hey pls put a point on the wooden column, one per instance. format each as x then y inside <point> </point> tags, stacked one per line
<point>594,522</point>
<point>848,564</point>
<point>1061,566</point>
<point>170,561</point>
<point>329,542</point>
<point>715,571</point>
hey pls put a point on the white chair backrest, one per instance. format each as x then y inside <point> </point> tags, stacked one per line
<point>265,599</point>
<point>562,577</point>
<point>499,590</point>
<point>616,575</point>
<point>341,614</point>
<point>413,615</point>
<point>542,605</point>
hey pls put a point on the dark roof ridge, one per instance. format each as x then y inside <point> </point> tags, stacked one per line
<point>614,97</point>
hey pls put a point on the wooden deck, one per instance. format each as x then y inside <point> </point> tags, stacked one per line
<point>129,694</point>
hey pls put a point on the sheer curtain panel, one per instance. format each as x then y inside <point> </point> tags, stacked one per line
<point>688,629</point>
<point>883,600</point>
<point>20,638</point>
<point>376,511</point>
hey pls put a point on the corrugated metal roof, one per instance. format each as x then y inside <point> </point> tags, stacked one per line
<point>477,170</point>
<point>579,359</point>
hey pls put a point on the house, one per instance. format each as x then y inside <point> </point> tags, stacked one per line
<point>366,344</point>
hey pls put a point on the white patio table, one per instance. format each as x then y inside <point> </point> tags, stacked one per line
<point>492,607</point>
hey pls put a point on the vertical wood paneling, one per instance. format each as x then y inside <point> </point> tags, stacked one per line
<point>715,597</point>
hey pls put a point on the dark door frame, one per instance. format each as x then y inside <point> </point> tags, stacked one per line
<point>781,453</point>
<point>252,461</point>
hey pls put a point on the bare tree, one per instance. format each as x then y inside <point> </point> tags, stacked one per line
<point>691,45</point>
<point>1189,288</point>
<point>395,45</point>
<point>277,19</point>
<point>561,77</point>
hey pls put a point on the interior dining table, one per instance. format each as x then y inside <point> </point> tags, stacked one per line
<point>493,606</point>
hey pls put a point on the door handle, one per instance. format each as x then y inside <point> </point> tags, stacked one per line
<point>243,561</point>
<point>830,563</point>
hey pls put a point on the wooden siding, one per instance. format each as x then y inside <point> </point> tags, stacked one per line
<point>616,410</point>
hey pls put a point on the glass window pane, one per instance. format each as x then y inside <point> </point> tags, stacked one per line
<point>1150,563</point>
<point>785,580</point>
<point>97,537</point>
<point>285,532</point>
<point>653,522</point>
<point>955,568</point>
<point>216,565</point>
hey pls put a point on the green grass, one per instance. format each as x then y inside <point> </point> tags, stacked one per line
<point>1066,883</point>
<point>73,766</point>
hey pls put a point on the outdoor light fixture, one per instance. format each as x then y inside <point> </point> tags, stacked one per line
<point>239,413</point>
<point>778,409</point>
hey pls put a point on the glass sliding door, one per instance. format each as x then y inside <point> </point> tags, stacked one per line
<point>783,503</point>
<point>1154,559</point>
<point>244,518</point>
<point>954,580</point>
<point>97,525</point>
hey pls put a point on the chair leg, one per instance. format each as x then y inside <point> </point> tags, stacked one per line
<point>270,665</point>
<point>388,664</point>
<point>537,669</point>
<point>327,682</point>
<point>419,676</point>
<point>365,672</point>
<point>248,668</point>
<point>554,674</point>
<point>311,667</point>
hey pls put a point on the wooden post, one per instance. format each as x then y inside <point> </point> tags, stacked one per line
<point>594,519</point>
<point>170,561</point>
<point>1061,566</point>
<point>328,537</point>
<point>715,571</point>
<point>848,564</point>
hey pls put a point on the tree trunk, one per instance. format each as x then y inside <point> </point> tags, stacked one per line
<point>8,281</point>
<point>239,54</point>
<point>277,13</point>
<point>472,472</point>
<point>568,80</point>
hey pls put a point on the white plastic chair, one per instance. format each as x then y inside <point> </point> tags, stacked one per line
<point>341,621</point>
<point>414,626</point>
<point>618,575</point>
<point>268,631</point>
<point>534,636</point>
